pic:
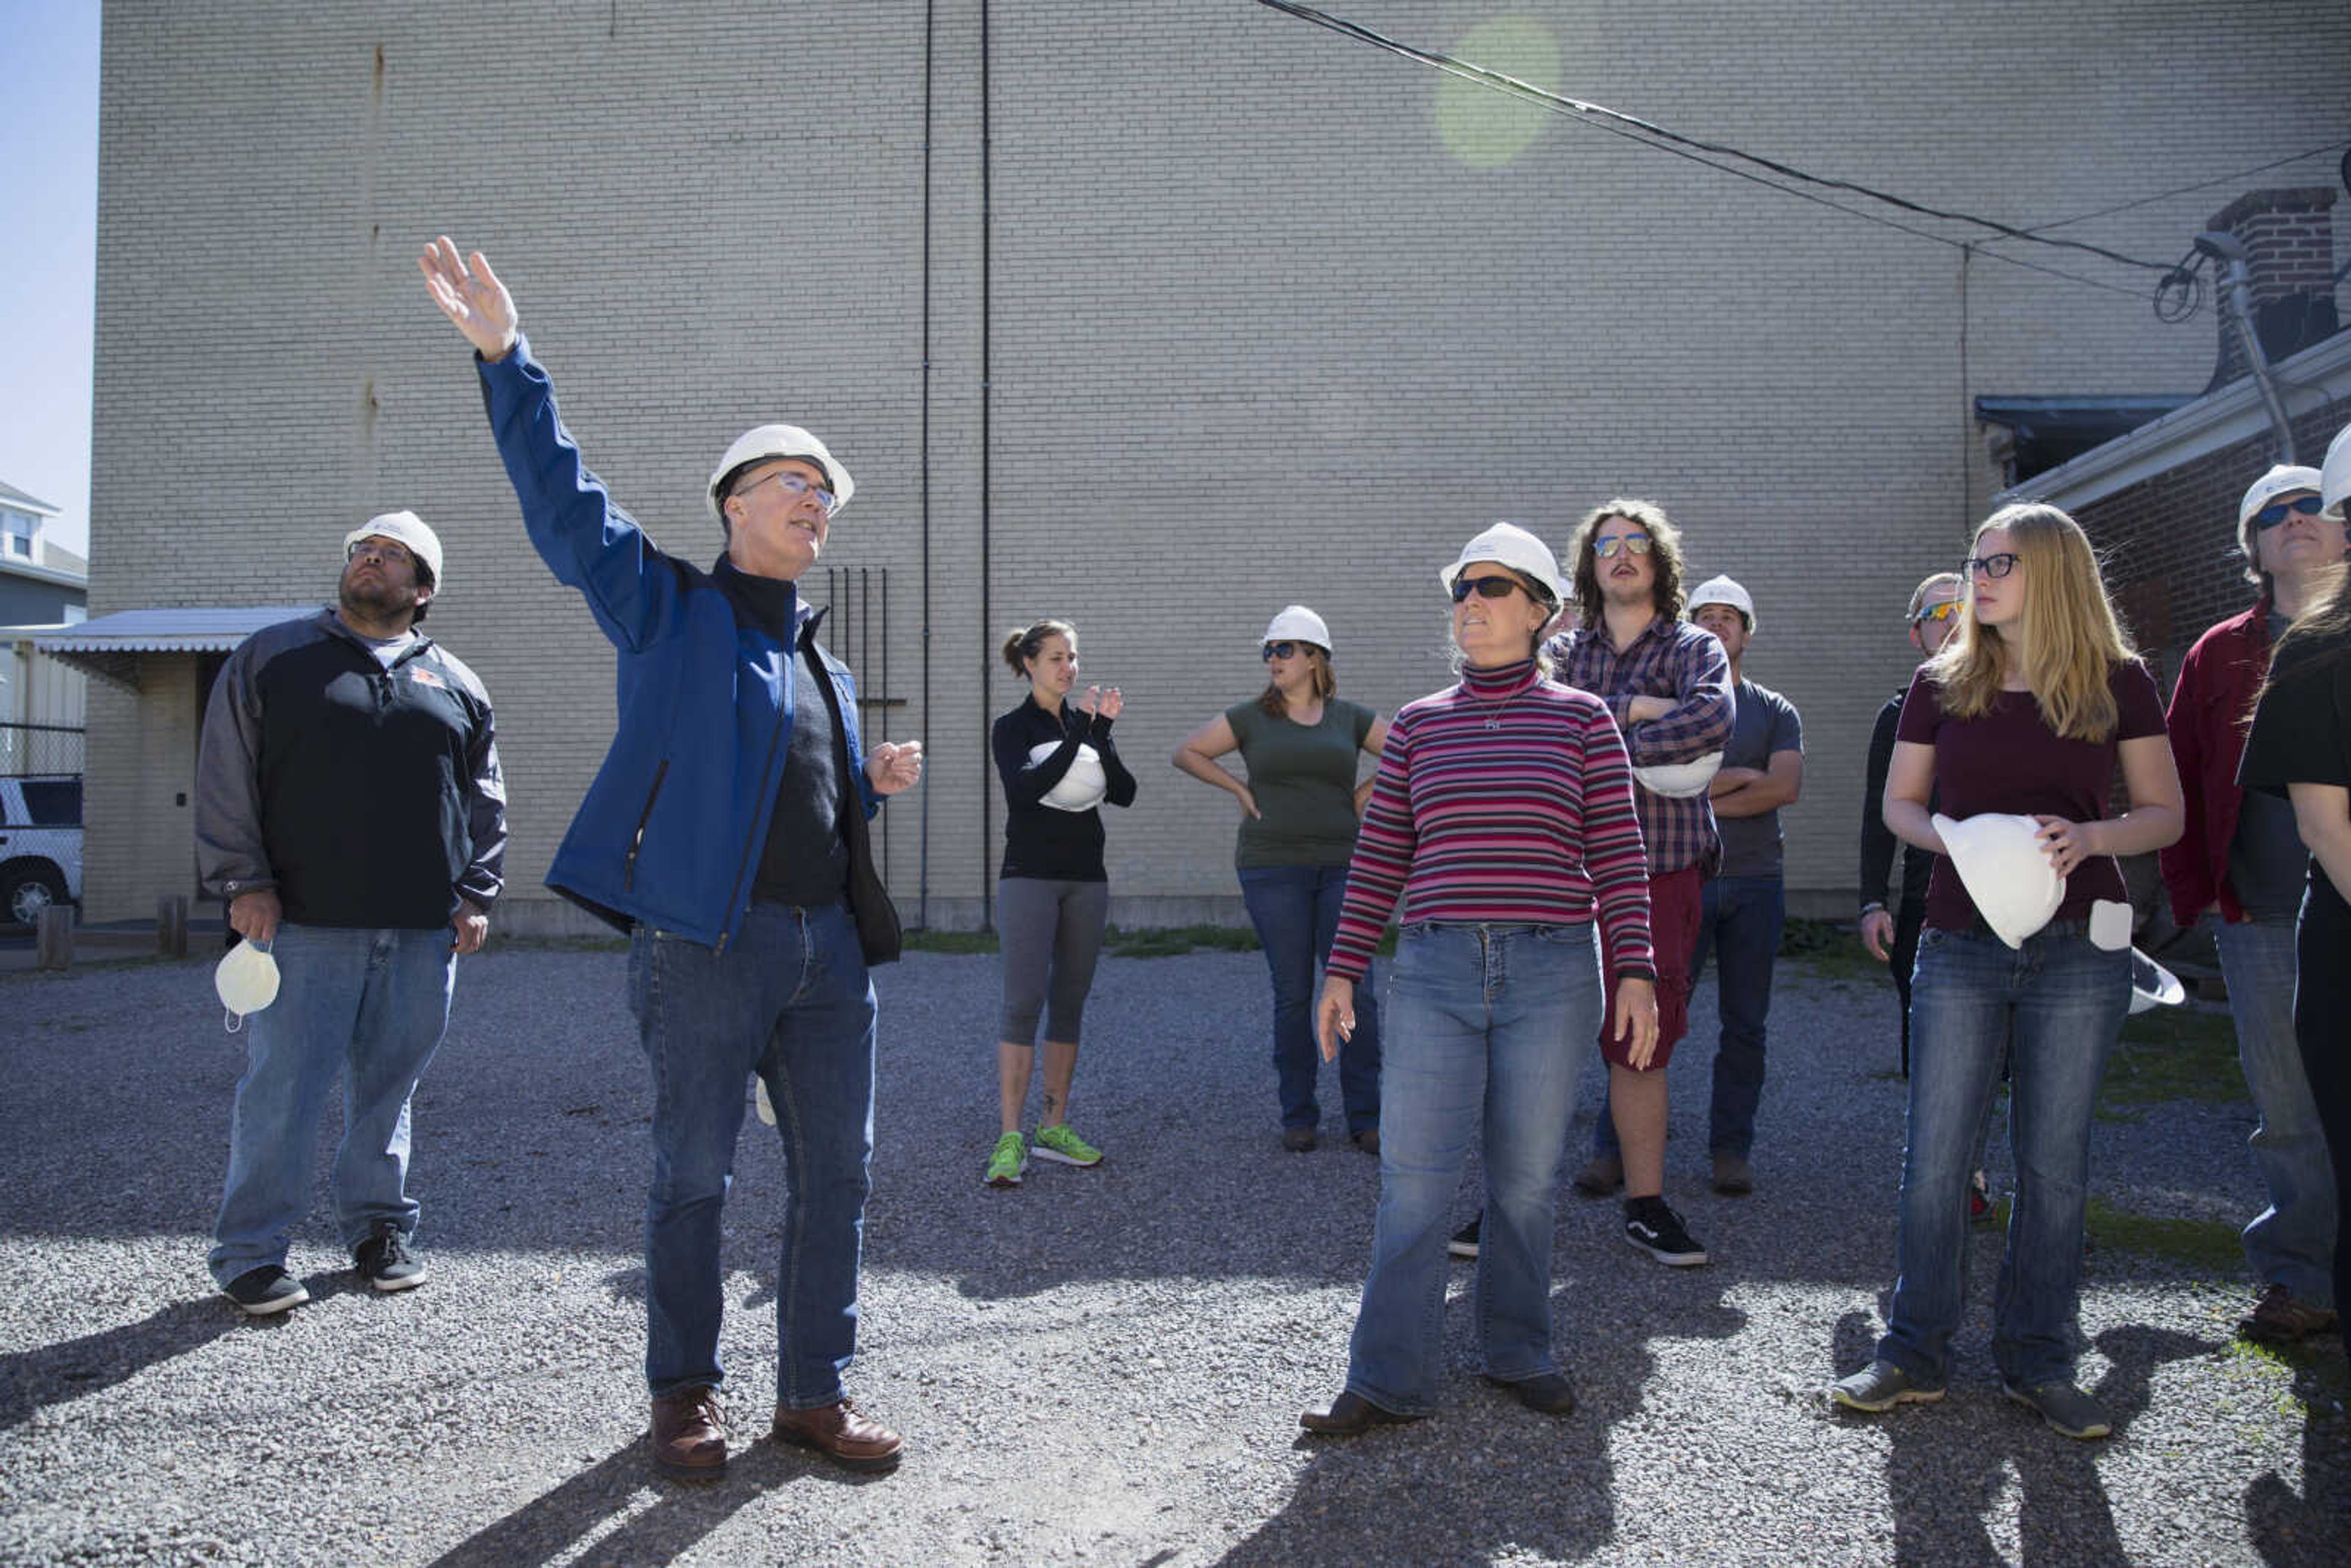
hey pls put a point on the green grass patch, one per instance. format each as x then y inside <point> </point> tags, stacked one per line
<point>2207,1248</point>
<point>2172,1053</point>
<point>950,942</point>
<point>1169,941</point>
<point>1831,949</point>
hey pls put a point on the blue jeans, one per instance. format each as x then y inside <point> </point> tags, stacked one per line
<point>372,1005</point>
<point>1483,1020</point>
<point>2057,1003</point>
<point>789,1000</point>
<point>1740,924</point>
<point>1295,909</point>
<point>2292,1242</point>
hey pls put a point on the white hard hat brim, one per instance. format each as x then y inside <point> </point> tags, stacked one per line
<point>2008,876</point>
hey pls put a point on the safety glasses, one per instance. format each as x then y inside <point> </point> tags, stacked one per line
<point>2276,512</point>
<point>1484,587</point>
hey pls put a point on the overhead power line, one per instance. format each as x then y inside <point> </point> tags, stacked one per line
<point>1648,133</point>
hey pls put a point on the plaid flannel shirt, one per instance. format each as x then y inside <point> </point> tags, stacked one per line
<point>1669,659</point>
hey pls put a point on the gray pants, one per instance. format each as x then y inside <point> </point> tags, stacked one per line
<point>1051,933</point>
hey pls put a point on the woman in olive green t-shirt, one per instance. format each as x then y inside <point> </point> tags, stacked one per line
<point>1299,808</point>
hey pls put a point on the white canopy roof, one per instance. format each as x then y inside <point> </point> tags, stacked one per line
<point>108,646</point>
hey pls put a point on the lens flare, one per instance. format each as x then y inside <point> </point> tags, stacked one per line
<point>1481,126</point>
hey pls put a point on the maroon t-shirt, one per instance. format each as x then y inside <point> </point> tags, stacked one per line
<point>2007,758</point>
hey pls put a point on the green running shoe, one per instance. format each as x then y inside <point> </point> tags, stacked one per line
<point>1007,1160</point>
<point>1065,1147</point>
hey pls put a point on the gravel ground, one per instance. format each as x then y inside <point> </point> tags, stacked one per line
<point>1101,1365</point>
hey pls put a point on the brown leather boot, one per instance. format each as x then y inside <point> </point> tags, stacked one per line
<point>690,1435</point>
<point>842,1433</point>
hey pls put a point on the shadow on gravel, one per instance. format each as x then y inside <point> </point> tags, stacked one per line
<point>665,1519</point>
<point>1484,1478</point>
<point>2308,1530</point>
<point>50,1374</point>
<point>1946,1476</point>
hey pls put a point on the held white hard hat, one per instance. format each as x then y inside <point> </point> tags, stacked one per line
<point>245,980</point>
<point>1723,591</point>
<point>779,440</point>
<point>2153,985</point>
<point>1507,544</point>
<point>1680,780</point>
<point>2006,872</point>
<point>2335,474</point>
<point>1082,787</point>
<point>1298,623</point>
<point>404,528</point>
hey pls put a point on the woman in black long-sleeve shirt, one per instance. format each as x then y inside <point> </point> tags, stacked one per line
<point>1052,894</point>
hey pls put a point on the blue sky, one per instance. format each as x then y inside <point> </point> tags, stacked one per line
<point>48,202</point>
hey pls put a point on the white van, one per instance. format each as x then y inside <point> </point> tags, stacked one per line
<point>40,846</point>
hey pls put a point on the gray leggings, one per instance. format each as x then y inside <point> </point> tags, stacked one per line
<point>1049,928</point>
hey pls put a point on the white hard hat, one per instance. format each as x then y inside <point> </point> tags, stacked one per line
<point>245,980</point>
<point>1723,591</point>
<point>1680,780</point>
<point>1298,623</point>
<point>1507,544</point>
<point>2006,872</point>
<point>2283,480</point>
<point>2335,474</point>
<point>1082,787</point>
<point>780,441</point>
<point>2152,984</point>
<point>405,528</point>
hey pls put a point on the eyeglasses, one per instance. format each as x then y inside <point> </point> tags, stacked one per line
<point>1485,586</point>
<point>1284,650</point>
<point>1998,565</point>
<point>2276,512</point>
<point>384,550</point>
<point>1943,612</point>
<point>1638,544</point>
<point>795,487</point>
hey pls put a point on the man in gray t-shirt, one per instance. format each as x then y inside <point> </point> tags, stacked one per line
<point>1744,904</point>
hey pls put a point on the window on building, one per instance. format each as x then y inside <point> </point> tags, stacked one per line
<point>16,534</point>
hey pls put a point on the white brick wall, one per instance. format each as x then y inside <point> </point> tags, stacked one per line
<point>1255,335</point>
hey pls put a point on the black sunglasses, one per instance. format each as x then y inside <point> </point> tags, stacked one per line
<point>1285,649</point>
<point>2276,512</point>
<point>1486,587</point>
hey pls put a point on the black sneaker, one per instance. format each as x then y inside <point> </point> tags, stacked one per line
<point>1657,1230</point>
<point>384,1261</point>
<point>267,1290</point>
<point>1465,1241</point>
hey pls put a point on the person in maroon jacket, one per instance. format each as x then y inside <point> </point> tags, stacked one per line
<point>2240,863</point>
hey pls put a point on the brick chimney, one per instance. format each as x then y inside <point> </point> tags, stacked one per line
<point>2291,236</point>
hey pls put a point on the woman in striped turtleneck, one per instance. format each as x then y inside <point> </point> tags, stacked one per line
<point>1502,820</point>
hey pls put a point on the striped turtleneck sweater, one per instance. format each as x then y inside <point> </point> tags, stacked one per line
<point>1505,800</point>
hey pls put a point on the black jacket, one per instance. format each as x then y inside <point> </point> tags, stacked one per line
<point>1041,841</point>
<point>367,797</point>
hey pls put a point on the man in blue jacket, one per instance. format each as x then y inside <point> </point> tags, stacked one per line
<point>726,833</point>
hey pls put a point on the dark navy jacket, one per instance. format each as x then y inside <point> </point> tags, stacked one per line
<point>671,830</point>
<point>366,796</point>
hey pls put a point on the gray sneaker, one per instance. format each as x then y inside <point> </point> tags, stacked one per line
<point>264,1291</point>
<point>2069,1412</point>
<point>1881,1385</point>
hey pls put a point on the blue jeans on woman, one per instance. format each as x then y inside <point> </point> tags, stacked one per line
<point>372,1005</point>
<point>1485,1022</point>
<point>1295,909</point>
<point>789,1000</point>
<point>2057,1003</point>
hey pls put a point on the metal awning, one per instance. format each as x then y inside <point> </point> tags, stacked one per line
<point>111,647</point>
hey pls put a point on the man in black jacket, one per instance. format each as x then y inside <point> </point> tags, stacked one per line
<point>350,808</point>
